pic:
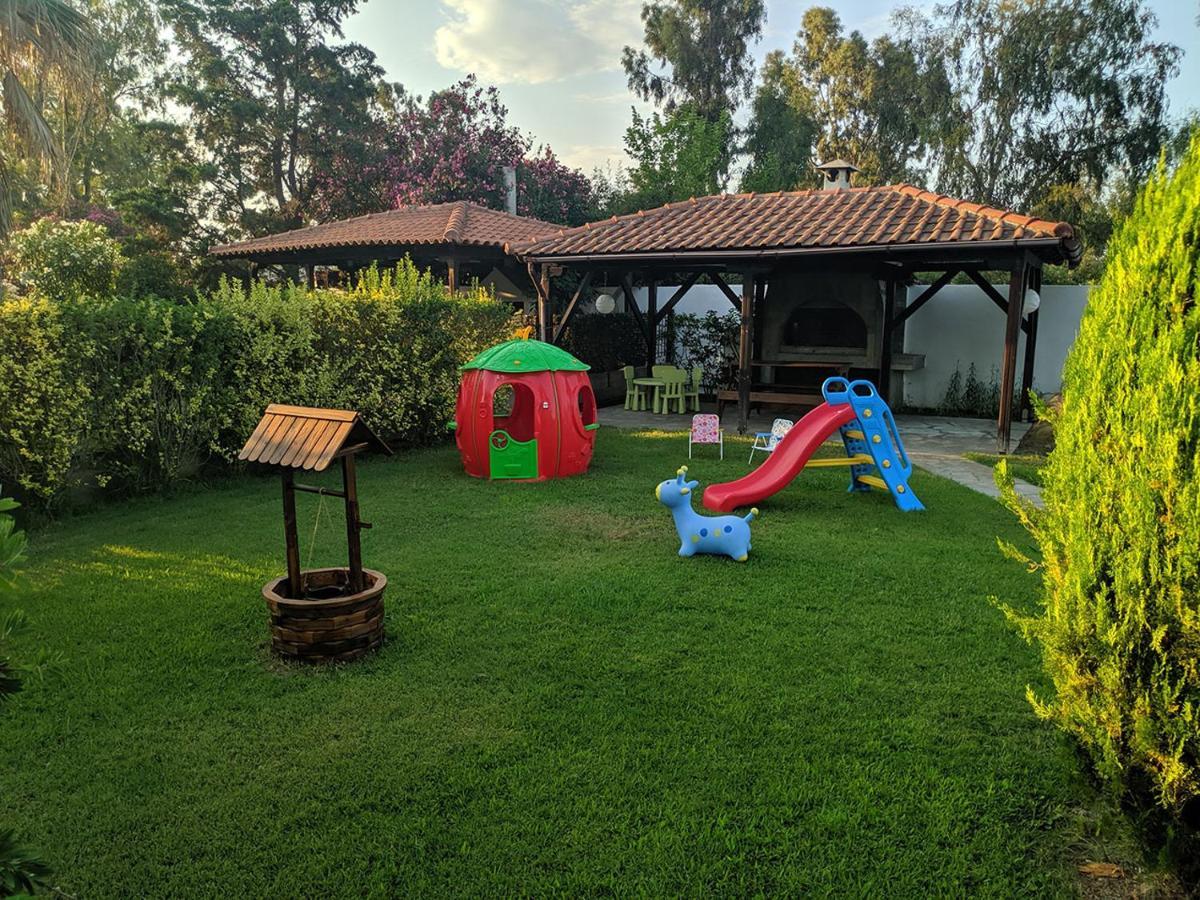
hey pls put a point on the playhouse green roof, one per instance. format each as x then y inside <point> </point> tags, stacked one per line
<point>526,356</point>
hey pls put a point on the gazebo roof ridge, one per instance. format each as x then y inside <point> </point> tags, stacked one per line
<point>462,222</point>
<point>860,218</point>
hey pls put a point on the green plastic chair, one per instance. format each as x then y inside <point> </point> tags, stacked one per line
<point>635,394</point>
<point>675,383</point>
<point>692,391</point>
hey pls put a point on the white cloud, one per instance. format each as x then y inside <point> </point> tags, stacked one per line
<point>535,41</point>
<point>591,156</point>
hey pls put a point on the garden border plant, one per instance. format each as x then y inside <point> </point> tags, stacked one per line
<point>110,393</point>
<point>1119,627</point>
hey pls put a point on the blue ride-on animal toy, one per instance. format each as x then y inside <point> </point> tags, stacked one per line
<point>729,535</point>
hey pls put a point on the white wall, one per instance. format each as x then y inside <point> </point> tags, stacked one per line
<point>700,298</point>
<point>960,326</point>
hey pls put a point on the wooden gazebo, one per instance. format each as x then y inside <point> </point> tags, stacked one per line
<point>891,232</point>
<point>461,238</point>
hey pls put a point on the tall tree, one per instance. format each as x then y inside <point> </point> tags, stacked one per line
<point>866,102</point>
<point>272,99</point>
<point>696,51</point>
<point>676,156</point>
<point>38,38</point>
<point>780,137</point>
<point>1046,92</point>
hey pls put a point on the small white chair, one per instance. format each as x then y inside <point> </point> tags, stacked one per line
<point>767,441</point>
<point>706,429</point>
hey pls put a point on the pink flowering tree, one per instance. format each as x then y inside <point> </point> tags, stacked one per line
<point>454,146</point>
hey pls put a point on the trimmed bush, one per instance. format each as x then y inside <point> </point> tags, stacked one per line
<point>136,394</point>
<point>1120,535</point>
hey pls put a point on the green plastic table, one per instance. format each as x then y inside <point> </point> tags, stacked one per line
<point>657,383</point>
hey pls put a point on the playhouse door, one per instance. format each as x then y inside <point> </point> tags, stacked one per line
<point>511,458</point>
<point>512,443</point>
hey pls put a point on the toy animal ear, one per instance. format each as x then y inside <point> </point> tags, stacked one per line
<point>693,484</point>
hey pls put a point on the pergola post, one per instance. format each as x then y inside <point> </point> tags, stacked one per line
<point>885,338</point>
<point>290,538</point>
<point>745,338</point>
<point>452,274</point>
<point>353,543</point>
<point>1031,326</point>
<point>543,304</point>
<point>1008,368</point>
<point>652,323</point>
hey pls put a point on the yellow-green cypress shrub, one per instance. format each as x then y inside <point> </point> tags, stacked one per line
<point>1119,628</point>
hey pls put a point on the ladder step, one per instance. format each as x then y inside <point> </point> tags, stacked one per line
<point>857,460</point>
<point>874,481</point>
<point>856,435</point>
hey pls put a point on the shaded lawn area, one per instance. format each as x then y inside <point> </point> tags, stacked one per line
<point>1027,468</point>
<point>563,704</point>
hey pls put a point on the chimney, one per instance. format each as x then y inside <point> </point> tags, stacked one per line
<point>510,189</point>
<point>836,174</point>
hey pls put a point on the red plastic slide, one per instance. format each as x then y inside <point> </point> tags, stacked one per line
<point>784,463</point>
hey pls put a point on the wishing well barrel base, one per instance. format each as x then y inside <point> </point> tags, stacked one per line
<point>327,624</point>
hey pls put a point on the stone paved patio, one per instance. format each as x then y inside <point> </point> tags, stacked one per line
<point>935,443</point>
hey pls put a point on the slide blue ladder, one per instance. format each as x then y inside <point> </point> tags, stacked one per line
<point>873,433</point>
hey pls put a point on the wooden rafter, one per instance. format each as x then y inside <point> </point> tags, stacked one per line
<point>584,284</point>
<point>924,297</point>
<point>678,295</point>
<point>992,294</point>
<point>725,289</point>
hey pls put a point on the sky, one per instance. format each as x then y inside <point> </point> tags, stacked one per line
<point>557,63</point>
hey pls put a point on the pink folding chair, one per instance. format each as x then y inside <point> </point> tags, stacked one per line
<point>706,429</point>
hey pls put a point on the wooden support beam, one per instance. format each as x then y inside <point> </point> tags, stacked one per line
<point>994,295</point>
<point>452,275</point>
<point>1008,367</point>
<point>1031,322</point>
<point>745,338</point>
<point>631,303</point>
<point>925,296</point>
<point>884,385</point>
<point>353,545</point>
<point>310,276</point>
<point>541,283</point>
<point>756,327</point>
<point>290,538</point>
<point>669,306</point>
<point>584,284</point>
<point>725,289</point>
<point>652,323</point>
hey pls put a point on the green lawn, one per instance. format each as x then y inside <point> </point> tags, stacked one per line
<point>1027,468</point>
<point>563,704</point>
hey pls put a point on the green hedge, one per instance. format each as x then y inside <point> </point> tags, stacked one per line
<point>133,395</point>
<point>1120,535</point>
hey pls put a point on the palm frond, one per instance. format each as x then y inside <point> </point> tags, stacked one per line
<point>55,28</point>
<point>26,118</point>
<point>6,192</point>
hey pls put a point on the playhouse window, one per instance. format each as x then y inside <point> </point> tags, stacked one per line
<point>512,411</point>
<point>587,405</point>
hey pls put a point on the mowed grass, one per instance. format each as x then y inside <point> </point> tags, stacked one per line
<point>563,704</point>
<point>1026,467</point>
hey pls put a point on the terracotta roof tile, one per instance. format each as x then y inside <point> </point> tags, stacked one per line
<point>459,222</point>
<point>864,217</point>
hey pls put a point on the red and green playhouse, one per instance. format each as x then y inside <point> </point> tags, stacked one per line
<point>525,411</point>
